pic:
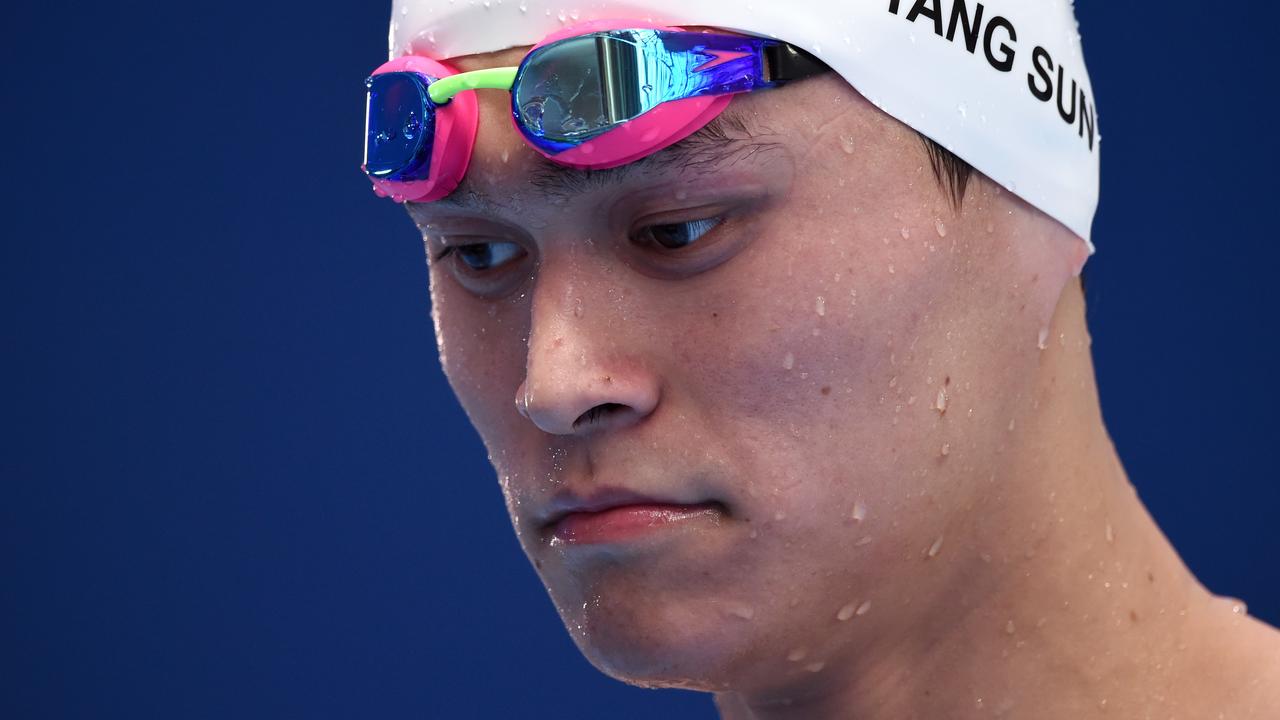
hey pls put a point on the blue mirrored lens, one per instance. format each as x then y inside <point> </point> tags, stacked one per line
<point>575,89</point>
<point>401,124</point>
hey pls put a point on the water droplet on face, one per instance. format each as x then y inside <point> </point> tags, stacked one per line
<point>577,307</point>
<point>779,516</point>
<point>506,155</point>
<point>847,144</point>
<point>788,361</point>
<point>935,547</point>
<point>946,449</point>
<point>846,612</point>
<point>863,541</point>
<point>1043,341</point>
<point>863,608</point>
<point>797,655</point>
<point>815,667</point>
<point>941,404</point>
<point>1111,537</point>
<point>859,511</point>
<point>906,234</point>
<point>1011,424</point>
<point>940,227</point>
<point>740,611</point>
<point>1008,628</point>
<point>820,306</point>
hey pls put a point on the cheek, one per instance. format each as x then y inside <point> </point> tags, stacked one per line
<point>812,354</point>
<point>844,370</point>
<point>482,353</point>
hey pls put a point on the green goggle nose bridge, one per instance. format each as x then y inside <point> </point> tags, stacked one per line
<point>441,91</point>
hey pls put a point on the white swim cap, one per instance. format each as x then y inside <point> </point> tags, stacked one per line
<point>1000,83</point>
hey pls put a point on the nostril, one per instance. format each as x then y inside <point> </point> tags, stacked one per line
<point>597,413</point>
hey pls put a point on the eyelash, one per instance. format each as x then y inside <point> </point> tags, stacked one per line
<point>714,223</point>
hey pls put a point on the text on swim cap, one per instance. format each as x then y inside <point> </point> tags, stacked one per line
<point>1040,81</point>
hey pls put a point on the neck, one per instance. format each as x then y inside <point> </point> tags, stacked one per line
<point>1085,609</point>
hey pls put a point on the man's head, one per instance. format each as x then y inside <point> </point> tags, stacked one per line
<point>782,325</point>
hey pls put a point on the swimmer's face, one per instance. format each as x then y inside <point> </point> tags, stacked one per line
<point>783,330</point>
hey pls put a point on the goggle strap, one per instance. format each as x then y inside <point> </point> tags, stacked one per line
<point>786,62</point>
<point>443,90</point>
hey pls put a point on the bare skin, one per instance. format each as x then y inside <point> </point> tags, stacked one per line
<point>917,510</point>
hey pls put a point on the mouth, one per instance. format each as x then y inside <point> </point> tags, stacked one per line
<point>619,517</point>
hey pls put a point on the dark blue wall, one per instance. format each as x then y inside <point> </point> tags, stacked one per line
<point>234,481</point>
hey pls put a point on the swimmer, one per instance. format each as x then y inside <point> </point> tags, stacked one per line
<point>770,318</point>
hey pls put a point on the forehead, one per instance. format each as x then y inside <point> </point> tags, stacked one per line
<point>501,58</point>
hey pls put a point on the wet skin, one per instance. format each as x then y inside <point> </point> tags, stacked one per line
<point>834,452</point>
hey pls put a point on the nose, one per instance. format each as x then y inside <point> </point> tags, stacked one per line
<point>585,369</point>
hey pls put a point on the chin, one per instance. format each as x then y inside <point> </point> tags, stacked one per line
<point>652,641</point>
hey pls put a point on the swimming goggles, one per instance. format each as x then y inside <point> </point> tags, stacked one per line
<point>596,96</point>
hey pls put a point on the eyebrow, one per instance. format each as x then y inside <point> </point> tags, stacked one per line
<point>730,138</point>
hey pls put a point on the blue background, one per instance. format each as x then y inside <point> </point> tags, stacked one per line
<point>235,483</point>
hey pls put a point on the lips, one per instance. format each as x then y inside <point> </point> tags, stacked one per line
<point>615,516</point>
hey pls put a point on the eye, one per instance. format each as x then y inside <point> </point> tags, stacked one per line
<point>483,257</point>
<point>674,236</point>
